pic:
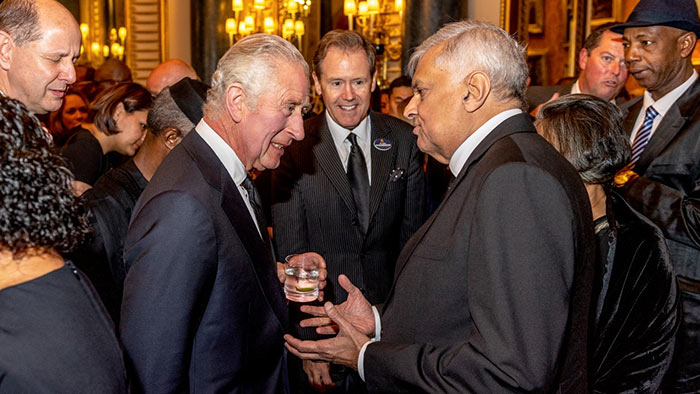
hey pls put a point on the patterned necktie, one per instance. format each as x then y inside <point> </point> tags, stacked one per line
<point>359,183</point>
<point>256,203</point>
<point>643,135</point>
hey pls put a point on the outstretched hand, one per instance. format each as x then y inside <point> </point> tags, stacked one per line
<point>356,309</point>
<point>342,349</point>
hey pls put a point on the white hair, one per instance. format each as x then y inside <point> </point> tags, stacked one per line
<point>253,62</point>
<point>469,46</point>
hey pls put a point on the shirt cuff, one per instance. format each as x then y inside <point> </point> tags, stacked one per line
<point>377,324</point>
<point>361,360</point>
<point>377,337</point>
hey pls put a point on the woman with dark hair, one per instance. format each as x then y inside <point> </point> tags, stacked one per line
<point>73,112</point>
<point>634,313</point>
<point>119,125</point>
<point>54,334</point>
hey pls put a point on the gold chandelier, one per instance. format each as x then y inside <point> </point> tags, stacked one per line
<point>381,23</point>
<point>283,18</point>
<point>97,51</point>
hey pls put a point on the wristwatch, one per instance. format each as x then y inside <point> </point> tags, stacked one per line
<point>624,176</point>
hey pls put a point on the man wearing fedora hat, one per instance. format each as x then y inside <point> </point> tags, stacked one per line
<point>663,178</point>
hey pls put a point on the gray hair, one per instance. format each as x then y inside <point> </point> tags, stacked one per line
<point>20,19</point>
<point>253,62</point>
<point>587,131</point>
<point>469,46</point>
<point>166,114</point>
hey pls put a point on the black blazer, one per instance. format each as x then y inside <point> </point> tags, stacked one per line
<point>203,310</point>
<point>668,193</point>
<point>491,294</point>
<point>314,210</point>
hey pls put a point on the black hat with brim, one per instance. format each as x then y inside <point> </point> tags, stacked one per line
<point>681,14</point>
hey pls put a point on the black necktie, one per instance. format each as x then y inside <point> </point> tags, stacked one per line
<point>256,203</point>
<point>359,183</point>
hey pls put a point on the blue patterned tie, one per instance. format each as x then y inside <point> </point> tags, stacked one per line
<point>643,135</point>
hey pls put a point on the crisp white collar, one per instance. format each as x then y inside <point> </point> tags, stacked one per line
<point>234,166</point>
<point>663,104</point>
<point>340,133</point>
<point>467,147</point>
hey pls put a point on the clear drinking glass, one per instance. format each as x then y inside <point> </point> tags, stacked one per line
<point>301,283</point>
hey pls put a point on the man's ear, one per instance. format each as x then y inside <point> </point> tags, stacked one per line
<point>235,101</point>
<point>6,47</point>
<point>583,58</point>
<point>317,83</point>
<point>477,88</point>
<point>171,137</point>
<point>374,81</point>
<point>686,44</point>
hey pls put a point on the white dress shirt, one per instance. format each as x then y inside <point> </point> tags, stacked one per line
<point>233,165</point>
<point>661,105</point>
<point>457,161</point>
<point>343,146</point>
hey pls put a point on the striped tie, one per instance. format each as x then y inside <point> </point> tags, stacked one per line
<point>643,135</point>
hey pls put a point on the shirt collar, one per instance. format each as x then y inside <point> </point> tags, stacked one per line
<point>663,104</point>
<point>227,156</point>
<point>576,88</point>
<point>340,133</point>
<point>467,147</point>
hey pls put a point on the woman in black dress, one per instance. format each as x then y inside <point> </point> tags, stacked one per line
<point>55,336</point>
<point>119,125</point>
<point>634,310</point>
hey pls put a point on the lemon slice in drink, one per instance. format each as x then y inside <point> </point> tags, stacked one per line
<point>304,289</point>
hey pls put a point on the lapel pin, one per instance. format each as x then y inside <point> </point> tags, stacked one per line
<point>382,144</point>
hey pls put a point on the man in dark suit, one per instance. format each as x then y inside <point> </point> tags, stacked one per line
<point>603,70</point>
<point>203,309</point>
<point>663,179</point>
<point>491,294</point>
<point>317,204</point>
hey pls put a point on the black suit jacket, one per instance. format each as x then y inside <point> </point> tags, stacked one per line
<point>203,310</point>
<point>491,295</point>
<point>668,193</point>
<point>314,209</point>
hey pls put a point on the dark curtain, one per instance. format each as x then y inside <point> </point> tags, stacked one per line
<point>422,18</point>
<point>209,40</point>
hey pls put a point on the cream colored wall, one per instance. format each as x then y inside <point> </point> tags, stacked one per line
<point>178,31</point>
<point>485,11</point>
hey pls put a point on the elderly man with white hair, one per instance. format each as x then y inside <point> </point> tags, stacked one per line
<point>203,309</point>
<point>491,294</point>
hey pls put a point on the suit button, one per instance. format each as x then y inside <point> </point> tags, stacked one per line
<point>355,222</point>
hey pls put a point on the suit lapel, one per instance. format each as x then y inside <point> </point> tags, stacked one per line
<point>329,161</point>
<point>515,124</point>
<point>670,126</point>
<point>381,164</point>
<point>631,115</point>
<point>232,203</point>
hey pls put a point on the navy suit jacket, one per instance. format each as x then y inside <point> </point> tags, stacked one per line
<point>203,310</point>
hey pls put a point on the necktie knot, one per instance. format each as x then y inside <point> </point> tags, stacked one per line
<point>352,137</point>
<point>651,114</point>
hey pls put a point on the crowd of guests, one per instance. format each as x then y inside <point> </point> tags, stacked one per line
<point>477,234</point>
